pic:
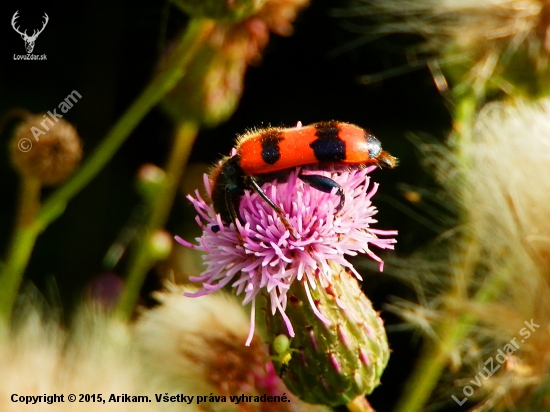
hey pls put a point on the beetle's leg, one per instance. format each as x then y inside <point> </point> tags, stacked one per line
<point>232,203</point>
<point>256,187</point>
<point>325,185</point>
<point>233,216</point>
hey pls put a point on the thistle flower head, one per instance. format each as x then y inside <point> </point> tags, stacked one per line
<point>259,254</point>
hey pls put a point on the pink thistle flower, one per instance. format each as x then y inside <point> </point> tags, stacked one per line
<point>261,255</point>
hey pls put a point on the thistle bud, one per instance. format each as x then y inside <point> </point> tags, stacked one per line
<point>149,181</point>
<point>212,87</point>
<point>160,245</point>
<point>45,149</point>
<point>213,84</point>
<point>335,360</point>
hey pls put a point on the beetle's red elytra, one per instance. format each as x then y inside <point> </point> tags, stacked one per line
<point>277,149</point>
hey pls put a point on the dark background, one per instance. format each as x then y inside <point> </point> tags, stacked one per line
<point>107,51</point>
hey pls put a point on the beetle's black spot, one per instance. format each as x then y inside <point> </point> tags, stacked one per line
<point>375,147</point>
<point>328,147</point>
<point>270,146</point>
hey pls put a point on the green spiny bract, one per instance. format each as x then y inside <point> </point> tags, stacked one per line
<point>334,363</point>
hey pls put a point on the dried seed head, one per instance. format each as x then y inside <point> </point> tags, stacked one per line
<point>499,254</point>
<point>39,357</point>
<point>196,344</point>
<point>484,45</point>
<point>46,149</point>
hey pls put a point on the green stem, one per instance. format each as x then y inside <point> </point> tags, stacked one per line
<point>436,355</point>
<point>141,260</point>
<point>25,235</point>
<point>359,404</point>
<point>464,116</point>
<point>425,376</point>
<point>23,240</point>
<point>173,70</point>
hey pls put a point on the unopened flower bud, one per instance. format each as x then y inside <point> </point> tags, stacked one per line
<point>224,10</point>
<point>46,149</point>
<point>160,245</point>
<point>105,289</point>
<point>149,181</point>
<point>211,89</point>
<point>213,84</point>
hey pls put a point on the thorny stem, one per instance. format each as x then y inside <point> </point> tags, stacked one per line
<point>23,240</point>
<point>141,260</point>
<point>25,235</point>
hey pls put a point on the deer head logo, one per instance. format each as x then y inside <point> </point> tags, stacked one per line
<point>29,40</point>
